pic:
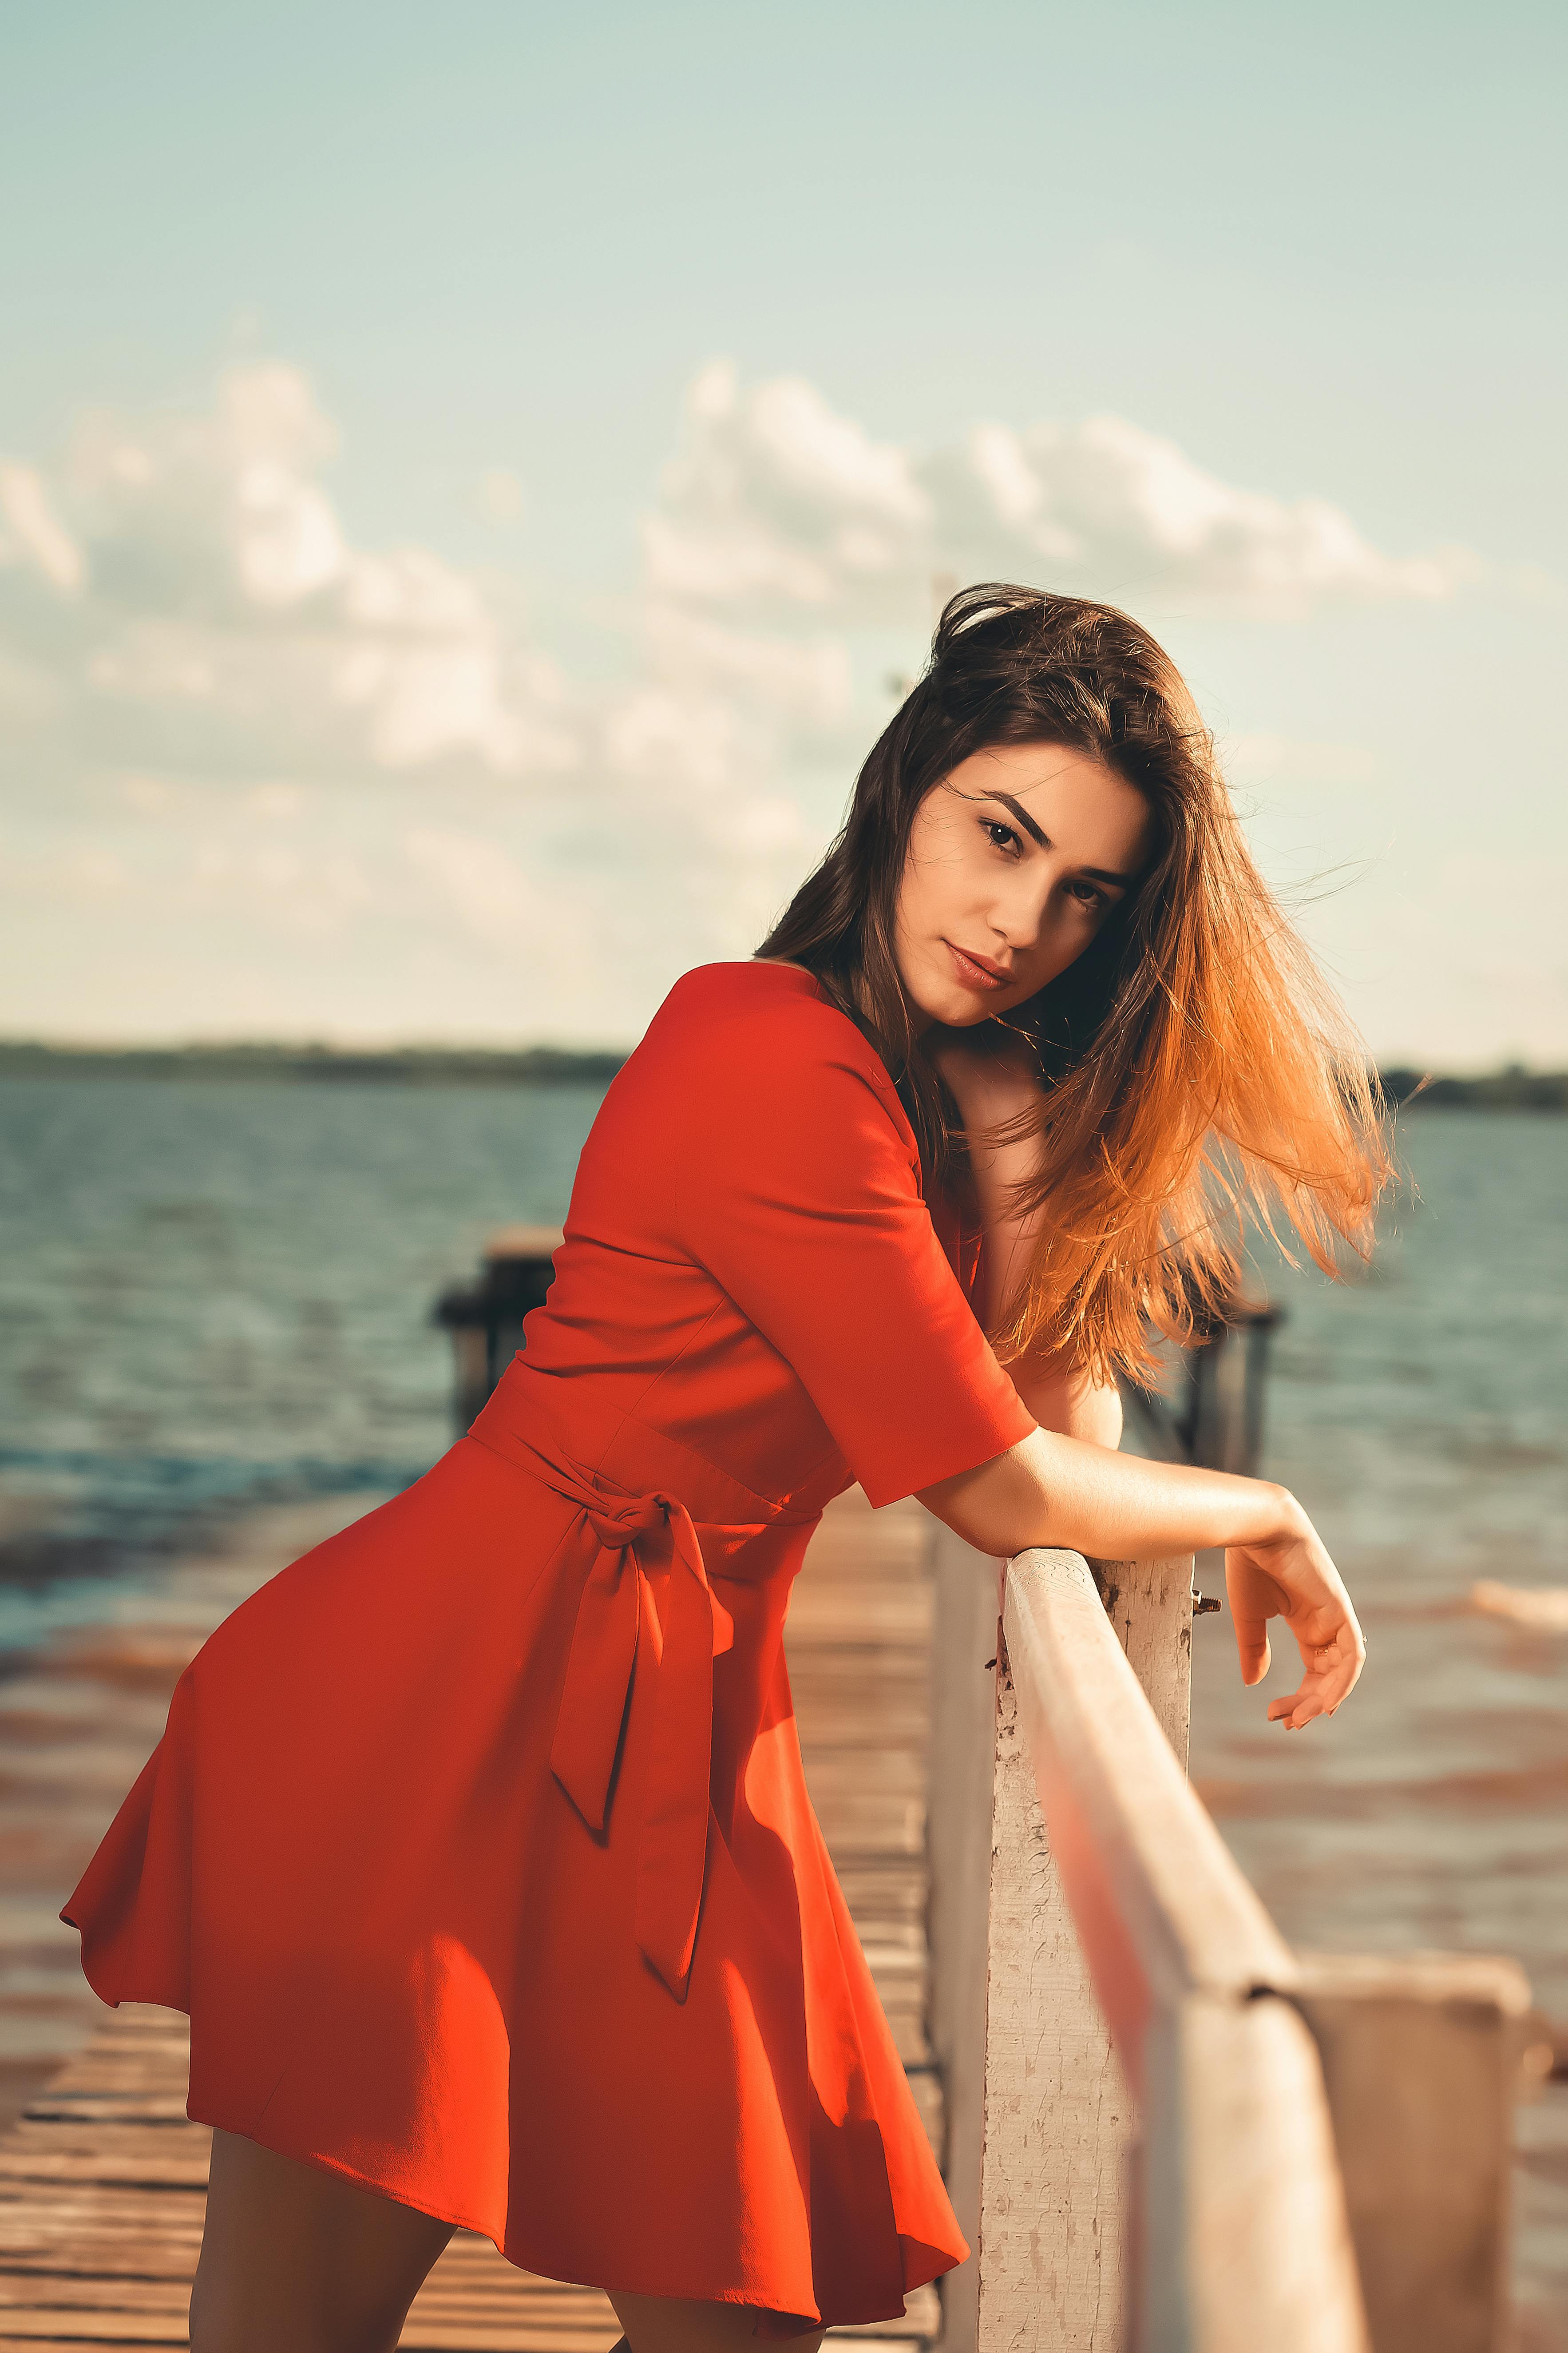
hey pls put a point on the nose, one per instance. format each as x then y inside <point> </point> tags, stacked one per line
<point>1018,913</point>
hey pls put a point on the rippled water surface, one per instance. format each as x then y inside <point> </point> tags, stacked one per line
<point>1423,1416</point>
<point>215,1295</point>
<point>212,1295</point>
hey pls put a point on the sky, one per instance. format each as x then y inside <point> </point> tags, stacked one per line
<point>471,480</point>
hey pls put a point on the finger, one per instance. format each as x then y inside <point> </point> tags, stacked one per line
<point>1252,1646</point>
<point>1300,1709</point>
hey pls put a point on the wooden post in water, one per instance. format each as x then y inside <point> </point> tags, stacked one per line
<point>485,1318</point>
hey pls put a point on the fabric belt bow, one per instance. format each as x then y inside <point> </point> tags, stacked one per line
<point>636,1534</point>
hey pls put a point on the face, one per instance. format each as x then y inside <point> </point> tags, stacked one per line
<point>1015,860</point>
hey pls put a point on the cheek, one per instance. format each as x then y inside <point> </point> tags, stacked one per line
<point>1064,936</point>
<point>909,909</point>
<point>936,880</point>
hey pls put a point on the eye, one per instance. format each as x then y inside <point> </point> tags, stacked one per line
<point>1088,896</point>
<point>1001,837</point>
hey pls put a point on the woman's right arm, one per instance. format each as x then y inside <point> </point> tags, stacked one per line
<point>1063,1493</point>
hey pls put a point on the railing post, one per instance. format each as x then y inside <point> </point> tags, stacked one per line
<point>1039,2121</point>
<point>1421,2061</point>
<point>1058,2119</point>
<point>962,1769</point>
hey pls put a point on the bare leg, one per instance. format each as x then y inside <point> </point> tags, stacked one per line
<point>676,2324</point>
<point>295,2260</point>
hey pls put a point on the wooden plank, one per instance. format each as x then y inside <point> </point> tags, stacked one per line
<point>103,2180</point>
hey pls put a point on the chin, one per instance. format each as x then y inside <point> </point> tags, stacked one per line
<point>947,1004</point>
<point>959,1011</point>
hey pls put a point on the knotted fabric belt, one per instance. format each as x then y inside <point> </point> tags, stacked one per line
<point>638,1535</point>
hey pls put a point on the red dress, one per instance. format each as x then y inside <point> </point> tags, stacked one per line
<point>477,1845</point>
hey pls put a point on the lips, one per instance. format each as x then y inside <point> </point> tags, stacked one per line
<point>978,971</point>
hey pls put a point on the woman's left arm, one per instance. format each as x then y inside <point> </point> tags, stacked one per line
<point>990,1089</point>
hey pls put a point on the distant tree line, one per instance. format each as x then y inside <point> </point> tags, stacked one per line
<point>395,1066</point>
<point>1511,1089</point>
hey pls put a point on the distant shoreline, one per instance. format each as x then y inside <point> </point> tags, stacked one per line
<point>1512,1089</point>
<point>389,1066</point>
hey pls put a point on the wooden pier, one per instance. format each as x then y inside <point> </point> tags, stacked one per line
<point>102,2178</point>
<point>1166,2132</point>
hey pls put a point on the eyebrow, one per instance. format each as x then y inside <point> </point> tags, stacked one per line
<point>1095,873</point>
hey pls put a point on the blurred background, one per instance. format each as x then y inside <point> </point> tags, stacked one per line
<point>472,487</point>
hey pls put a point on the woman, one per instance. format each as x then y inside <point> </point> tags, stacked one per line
<point>477,1846</point>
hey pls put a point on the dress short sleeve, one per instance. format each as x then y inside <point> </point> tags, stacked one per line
<point>800,1193</point>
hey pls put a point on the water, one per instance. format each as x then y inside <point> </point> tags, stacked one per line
<point>1422,1416</point>
<point>212,1295</point>
<point>215,1295</point>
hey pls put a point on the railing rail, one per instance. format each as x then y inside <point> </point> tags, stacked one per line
<point>1167,2132</point>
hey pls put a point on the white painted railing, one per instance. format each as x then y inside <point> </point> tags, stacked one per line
<point>1168,2133</point>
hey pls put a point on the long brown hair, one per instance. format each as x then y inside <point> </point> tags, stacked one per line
<point>1196,1070</point>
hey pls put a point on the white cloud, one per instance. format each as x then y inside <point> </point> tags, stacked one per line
<point>74,873</point>
<point>31,532</point>
<point>806,681</point>
<point>489,892</point>
<point>776,499</point>
<point>262,775</point>
<point>220,618</point>
<point>236,728</point>
<point>775,495</point>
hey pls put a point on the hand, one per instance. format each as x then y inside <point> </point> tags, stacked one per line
<point>1294,1579</point>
